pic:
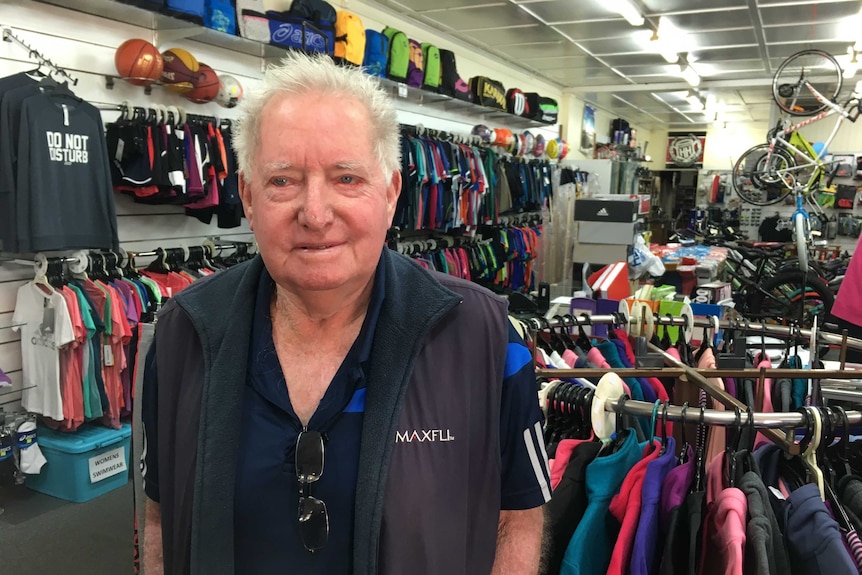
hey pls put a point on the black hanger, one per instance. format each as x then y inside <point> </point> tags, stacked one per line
<point>700,457</point>
<point>583,339</point>
<point>683,452</point>
<point>731,450</point>
<point>564,332</point>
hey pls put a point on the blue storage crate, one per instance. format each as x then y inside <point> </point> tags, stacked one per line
<point>84,464</point>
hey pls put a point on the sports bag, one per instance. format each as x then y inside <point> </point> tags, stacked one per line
<point>416,65</point>
<point>290,31</point>
<point>543,109</point>
<point>192,10</point>
<point>451,82</point>
<point>399,54</point>
<point>252,21</point>
<point>220,15</point>
<point>349,38</point>
<point>431,57</point>
<point>516,103</point>
<point>376,53</point>
<point>488,92</point>
<point>318,11</point>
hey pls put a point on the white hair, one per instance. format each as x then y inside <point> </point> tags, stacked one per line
<point>300,73</point>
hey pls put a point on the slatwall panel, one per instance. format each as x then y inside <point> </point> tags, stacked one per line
<point>85,45</point>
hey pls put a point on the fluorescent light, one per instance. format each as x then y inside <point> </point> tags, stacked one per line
<point>711,104</point>
<point>664,40</point>
<point>694,100</point>
<point>690,75</point>
<point>628,11</point>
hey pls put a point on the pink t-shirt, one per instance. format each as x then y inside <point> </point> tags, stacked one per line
<point>717,437</point>
<point>71,366</point>
<point>724,527</point>
<point>848,302</point>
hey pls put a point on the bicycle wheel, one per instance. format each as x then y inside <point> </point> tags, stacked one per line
<point>784,300</point>
<point>817,69</point>
<point>800,225</point>
<point>761,180</point>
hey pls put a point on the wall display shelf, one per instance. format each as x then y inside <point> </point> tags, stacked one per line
<point>168,28</point>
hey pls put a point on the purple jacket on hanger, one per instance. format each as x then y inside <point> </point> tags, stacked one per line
<point>675,487</point>
<point>644,556</point>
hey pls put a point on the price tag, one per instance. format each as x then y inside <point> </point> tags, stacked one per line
<point>402,91</point>
<point>107,355</point>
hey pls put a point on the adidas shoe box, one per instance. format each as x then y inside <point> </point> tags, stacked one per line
<point>609,219</point>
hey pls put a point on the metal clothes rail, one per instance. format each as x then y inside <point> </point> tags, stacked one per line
<point>34,54</point>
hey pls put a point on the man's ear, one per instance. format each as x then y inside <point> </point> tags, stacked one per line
<point>245,196</point>
<point>393,191</point>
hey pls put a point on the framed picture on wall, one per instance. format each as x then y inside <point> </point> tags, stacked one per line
<point>588,131</point>
<point>685,149</point>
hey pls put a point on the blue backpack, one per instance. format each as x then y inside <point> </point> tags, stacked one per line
<point>220,15</point>
<point>376,53</point>
<point>188,9</point>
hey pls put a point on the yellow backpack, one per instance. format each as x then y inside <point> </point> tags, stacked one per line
<point>349,38</point>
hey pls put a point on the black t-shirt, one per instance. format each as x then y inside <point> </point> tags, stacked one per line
<point>769,233</point>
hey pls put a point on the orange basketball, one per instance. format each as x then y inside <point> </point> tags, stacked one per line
<point>138,62</point>
<point>206,86</point>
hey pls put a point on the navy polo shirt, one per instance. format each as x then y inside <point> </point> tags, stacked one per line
<point>267,493</point>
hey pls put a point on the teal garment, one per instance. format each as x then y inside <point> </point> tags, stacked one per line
<point>92,399</point>
<point>589,551</point>
<point>611,353</point>
<point>800,386</point>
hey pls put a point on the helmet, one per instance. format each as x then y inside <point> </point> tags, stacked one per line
<point>539,150</point>
<point>484,132</point>
<point>230,91</point>
<point>552,148</point>
<point>564,149</point>
<point>503,137</point>
<point>529,143</point>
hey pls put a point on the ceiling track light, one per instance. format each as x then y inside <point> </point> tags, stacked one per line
<point>628,11</point>
<point>667,52</point>
<point>852,66</point>
<point>690,74</point>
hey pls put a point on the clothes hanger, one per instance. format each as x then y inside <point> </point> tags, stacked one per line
<point>683,452</point>
<point>583,339</point>
<point>809,455</point>
<point>567,340</point>
<point>700,458</point>
<point>664,442</point>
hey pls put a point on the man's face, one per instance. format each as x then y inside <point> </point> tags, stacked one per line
<point>315,196</point>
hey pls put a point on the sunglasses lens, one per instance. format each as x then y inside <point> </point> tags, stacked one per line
<point>309,456</point>
<point>313,523</point>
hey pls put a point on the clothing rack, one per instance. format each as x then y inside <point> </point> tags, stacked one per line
<point>692,414</point>
<point>9,36</point>
<point>781,331</point>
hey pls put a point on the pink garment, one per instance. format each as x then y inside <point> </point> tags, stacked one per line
<point>570,357</point>
<point>724,551</point>
<point>848,302</point>
<point>674,353</point>
<point>71,366</point>
<point>717,436</point>
<point>561,459</point>
<point>767,398</point>
<point>626,507</point>
<point>724,526</point>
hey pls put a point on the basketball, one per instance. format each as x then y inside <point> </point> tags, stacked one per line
<point>229,93</point>
<point>180,70</point>
<point>206,86</point>
<point>138,62</point>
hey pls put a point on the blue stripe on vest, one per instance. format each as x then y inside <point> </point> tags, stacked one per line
<point>517,356</point>
<point>357,402</point>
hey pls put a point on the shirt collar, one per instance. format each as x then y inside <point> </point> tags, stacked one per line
<point>361,349</point>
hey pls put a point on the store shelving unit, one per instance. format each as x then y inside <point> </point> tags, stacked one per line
<point>168,28</point>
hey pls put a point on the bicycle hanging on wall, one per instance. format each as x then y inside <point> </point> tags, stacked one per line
<point>807,83</point>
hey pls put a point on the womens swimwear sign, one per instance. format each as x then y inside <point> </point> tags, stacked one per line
<point>107,464</point>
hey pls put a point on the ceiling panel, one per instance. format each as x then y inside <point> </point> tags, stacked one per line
<point>802,13</point>
<point>805,33</point>
<point>657,69</point>
<point>717,39</point>
<point>567,63</point>
<point>424,5</point>
<point>712,20</point>
<point>722,54</point>
<point>568,11</point>
<point>588,30</point>
<point>510,36</point>
<point>613,46</point>
<point>665,6</point>
<point>478,18</point>
<point>534,54</point>
<point>755,95</point>
<point>781,51</point>
<point>631,59</point>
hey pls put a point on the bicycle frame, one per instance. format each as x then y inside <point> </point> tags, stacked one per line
<point>802,149</point>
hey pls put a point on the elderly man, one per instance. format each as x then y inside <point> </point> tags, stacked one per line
<point>330,407</point>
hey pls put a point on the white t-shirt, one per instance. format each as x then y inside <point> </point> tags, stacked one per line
<point>47,327</point>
